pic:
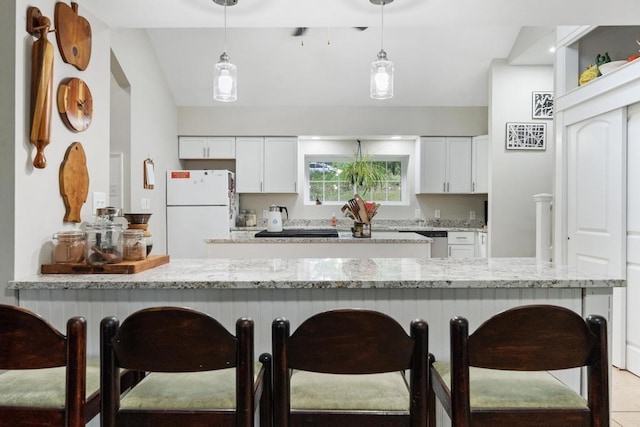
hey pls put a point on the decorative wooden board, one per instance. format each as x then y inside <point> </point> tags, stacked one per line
<point>74,181</point>
<point>75,104</point>
<point>124,267</point>
<point>73,33</point>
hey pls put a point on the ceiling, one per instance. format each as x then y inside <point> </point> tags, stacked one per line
<point>442,49</point>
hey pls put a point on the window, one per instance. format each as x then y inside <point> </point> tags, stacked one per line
<point>327,184</point>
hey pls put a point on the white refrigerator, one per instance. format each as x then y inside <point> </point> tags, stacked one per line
<point>201,204</point>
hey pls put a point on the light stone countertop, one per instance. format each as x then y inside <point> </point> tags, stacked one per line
<point>332,273</point>
<point>385,237</point>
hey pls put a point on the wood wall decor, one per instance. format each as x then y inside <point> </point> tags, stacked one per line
<point>74,181</point>
<point>75,104</point>
<point>41,83</point>
<point>73,33</point>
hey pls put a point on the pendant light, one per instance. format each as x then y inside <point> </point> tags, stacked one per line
<point>225,74</point>
<point>381,80</point>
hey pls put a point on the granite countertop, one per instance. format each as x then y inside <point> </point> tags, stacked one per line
<point>332,273</point>
<point>384,237</point>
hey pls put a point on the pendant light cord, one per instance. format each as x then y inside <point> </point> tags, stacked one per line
<point>225,26</point>
<point>382,25</point>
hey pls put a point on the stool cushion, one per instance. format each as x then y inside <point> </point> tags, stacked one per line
<point>184,390</point>
<point>43,388</point>
<point>493,389</point>
<point>370,392</point>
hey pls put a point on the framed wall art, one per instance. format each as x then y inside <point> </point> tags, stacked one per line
<point>526,136</point>
<point>542,105</point>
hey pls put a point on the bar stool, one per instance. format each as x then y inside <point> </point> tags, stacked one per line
<point>347,368</point>
<point>498,376</point>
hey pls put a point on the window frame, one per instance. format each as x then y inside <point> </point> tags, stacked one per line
<point>324,158</point>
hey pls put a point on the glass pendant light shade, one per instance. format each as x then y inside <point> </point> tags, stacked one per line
<point>381,77</point>
<point>225,80</point>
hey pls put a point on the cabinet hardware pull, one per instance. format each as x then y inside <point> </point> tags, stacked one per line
<point>444,187</point>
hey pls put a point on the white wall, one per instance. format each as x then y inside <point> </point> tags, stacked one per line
<point>153,124</point>
<point>515,176</point>
<point>8,111</point>
<point>333,121</point>
<point>39,207</point>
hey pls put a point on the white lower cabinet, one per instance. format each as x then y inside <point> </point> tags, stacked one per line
<point>461,244</point>
<point>481,244</point>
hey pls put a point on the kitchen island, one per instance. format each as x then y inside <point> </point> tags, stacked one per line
<point>266,288</point>
<point>381,244</point>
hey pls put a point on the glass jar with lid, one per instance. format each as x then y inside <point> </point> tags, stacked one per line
<point>103,242</point>
<point>251,219</point>
<point>241,220</point>
<point>68,247</point>
<point>134,245</point>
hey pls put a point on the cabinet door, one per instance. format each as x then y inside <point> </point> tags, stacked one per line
<point>459,165</point>
<point>480,164</point>
<point>596,198</point>
<point>432,165</point>
<point>281,165</point>
<point>461,251</point>
<point>249,165</point>
<point>221,148</point>
<point>192,147</point>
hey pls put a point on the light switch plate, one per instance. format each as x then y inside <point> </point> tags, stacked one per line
<point>437,213</point>
<point>418,214</point>
<point>472,214</point>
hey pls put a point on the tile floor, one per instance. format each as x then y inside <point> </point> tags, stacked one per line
<point>625,401</point>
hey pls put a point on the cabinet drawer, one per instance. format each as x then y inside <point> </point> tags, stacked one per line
<point>460,237</point>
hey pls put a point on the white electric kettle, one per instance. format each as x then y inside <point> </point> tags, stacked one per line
<point>274,218</point>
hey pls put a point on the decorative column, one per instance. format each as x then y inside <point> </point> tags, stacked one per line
<point>543,226</point>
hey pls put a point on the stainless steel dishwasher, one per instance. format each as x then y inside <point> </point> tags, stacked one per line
<point>440,245</point>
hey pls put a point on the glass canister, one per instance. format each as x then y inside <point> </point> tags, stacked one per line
<point>241,220</point>
<point>103,243</point>
<point>251,220</point>
<point>134,245</point>
<point>68,247</point>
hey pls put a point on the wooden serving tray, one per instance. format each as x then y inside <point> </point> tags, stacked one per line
<point>124,267</point>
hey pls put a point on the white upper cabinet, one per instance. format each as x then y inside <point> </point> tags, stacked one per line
<point>444,165</point>
<point>480,164</point>
<point>267,165</point>
<point>202,147</point>
<point>249,165</point>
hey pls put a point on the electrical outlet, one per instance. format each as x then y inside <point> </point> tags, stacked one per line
<point>437,214</point>
<point>265,213</point>
<point>418,214</point>
<point>472,214</point>
<point>99,200</point>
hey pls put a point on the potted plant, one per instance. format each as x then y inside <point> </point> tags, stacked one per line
<point>362,174</point>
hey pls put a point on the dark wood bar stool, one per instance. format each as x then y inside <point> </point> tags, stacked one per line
<point>47,382</point>
<point>347,368</point>
<point>498,376</point>
<point>198,372</point>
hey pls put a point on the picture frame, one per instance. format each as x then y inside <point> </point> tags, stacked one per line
<point>542,105</point>
<point>526,136</point>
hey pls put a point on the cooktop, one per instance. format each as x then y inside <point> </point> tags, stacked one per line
<point>300,232</point>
